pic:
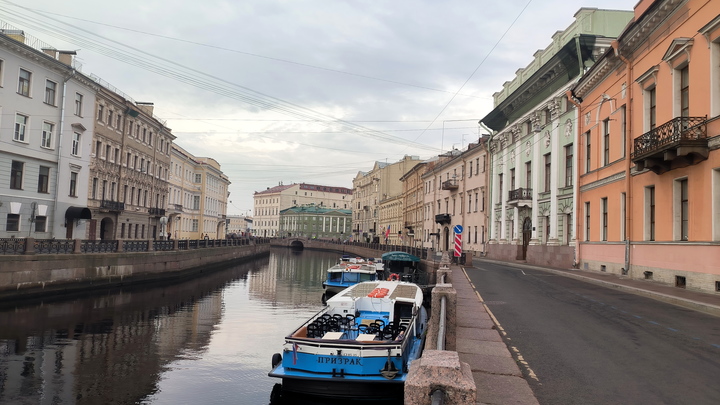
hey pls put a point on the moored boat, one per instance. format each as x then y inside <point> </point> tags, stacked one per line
<point>359,346</point>
<point>350,271</point>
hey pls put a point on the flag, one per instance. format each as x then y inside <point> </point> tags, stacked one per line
<point>387,232</point>
<point>295,350</point>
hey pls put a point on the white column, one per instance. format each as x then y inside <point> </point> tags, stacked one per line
<point>536,164</point>
<point>556,160</point>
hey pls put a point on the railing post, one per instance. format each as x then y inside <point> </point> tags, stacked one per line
<point>29,246</point>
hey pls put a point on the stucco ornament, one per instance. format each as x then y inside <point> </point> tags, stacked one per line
<point>624,90</point>
<point>547,139</point>
<point>568,128</point>
<point>527,148</point>
<point>587,119</point>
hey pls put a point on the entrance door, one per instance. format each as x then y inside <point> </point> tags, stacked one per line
<point>527,234</point>
<point>92,231</point>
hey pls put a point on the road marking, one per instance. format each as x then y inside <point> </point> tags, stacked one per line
<point>518,356</point>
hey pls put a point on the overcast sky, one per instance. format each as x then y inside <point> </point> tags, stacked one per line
<point>305,90</point>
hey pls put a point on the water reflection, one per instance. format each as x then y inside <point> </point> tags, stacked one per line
<point>206,340</point>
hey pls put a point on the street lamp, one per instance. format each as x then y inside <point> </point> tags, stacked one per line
<point>163,227</point>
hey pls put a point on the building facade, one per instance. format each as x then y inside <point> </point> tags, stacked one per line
<point>369,190</point>
<point>46,133</point>
<point>315,222</point>
<point>455,195</point>
<point>268,203</point>
<point>198,197</point>
<point>414,205</point>
<point>129,169</point>
<point>239,225</point>
<point>533,147</point>
<point>649,162</point>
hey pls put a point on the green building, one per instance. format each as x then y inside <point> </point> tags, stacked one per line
<point>314,221</point>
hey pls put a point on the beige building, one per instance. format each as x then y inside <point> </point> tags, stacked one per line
<point>413,206</point>
<point>269,203</point>
<point>455,190</point>
<point>239,225</point>
<point>391,220</point>
<point>372,188</point>
<point>198,197</point>
<point>129,169</point>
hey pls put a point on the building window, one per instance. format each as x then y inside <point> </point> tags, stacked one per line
<point>623,213</point>
<point>75,149</point>
<point>623,129</point>
<point>24,83</point>
<point>46,140</point>
<point>78,104</point>
<point>73,184</point>
<point>43,179</point>
<point>101,113</point>
<point>16,174</point>
<point>683,208</point>
<point>198,178</point>
<point>685,91</point>
<point>652,105</point>
<point>604,211</point>
<point>40,223</point>
<point>650,213</point>
<point>13,223</point>
<point>21,122</point>
<point>588,152</point>
<point>50,90</point>
<point>547,172</point>
<point>587,221</point>
<point>569,165</point>
<point>500,188</point>
<point>512,179</point>
<point>606,142</point>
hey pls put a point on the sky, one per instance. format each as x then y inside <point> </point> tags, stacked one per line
<point>305,91</point>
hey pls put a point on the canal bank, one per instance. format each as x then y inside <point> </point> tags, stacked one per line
<point>26,275</point>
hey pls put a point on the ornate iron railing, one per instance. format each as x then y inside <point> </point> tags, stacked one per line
<point>53,246</point>
<point>449,185</point>
<point>98,246</point>
<point>157,211</point>
<point>12,246</point>
<point>135,246</point>
<point>163,245</point>
<point>674,131</point>
<point>520,194</point>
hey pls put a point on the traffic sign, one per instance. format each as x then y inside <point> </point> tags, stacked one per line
<point>458,229</point>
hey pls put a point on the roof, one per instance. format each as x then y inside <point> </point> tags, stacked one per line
<point>400,257</point>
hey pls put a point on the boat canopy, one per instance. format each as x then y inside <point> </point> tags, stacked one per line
<point>400,257</point>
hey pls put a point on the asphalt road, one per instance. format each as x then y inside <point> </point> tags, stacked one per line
<point>580,343</point>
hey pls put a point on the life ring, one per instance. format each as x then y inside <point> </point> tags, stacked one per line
<point>394,277</point>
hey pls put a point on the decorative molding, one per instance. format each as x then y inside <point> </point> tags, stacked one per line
<point>568,128</point>
<point>602,182</point>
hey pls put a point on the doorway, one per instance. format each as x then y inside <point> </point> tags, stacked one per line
<point>446,239</point>
<point>527,234</point>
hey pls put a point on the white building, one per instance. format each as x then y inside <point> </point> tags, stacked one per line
<point>269,203</point>
<point>47,108</point>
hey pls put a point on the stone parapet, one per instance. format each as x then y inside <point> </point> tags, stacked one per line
<point>440,370</point>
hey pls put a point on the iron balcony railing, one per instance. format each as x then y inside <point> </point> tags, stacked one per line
<point>157,211</point>
<point>520,194</point>
<point>679,130</point>
<point>449,185</point>
<point>112,205</point>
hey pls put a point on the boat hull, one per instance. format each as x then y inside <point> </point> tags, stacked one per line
<point>343,387</point>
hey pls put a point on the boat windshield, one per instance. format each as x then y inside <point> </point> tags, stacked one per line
<point>358,277</point>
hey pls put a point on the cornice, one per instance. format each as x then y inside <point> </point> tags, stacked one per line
<point>638,32</point>
<point>602,182</point>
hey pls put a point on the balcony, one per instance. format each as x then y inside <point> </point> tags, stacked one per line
<point>112,205</point>
<point>449,185</point>
<point>442,219</point>
<point>158,212</point>
<point>520,197</point>
<point>678,143</point>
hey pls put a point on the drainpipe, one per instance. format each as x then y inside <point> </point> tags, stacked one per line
<point>628,143</point>
<point>60,138</point>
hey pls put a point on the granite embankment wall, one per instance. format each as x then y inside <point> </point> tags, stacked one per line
<point>31,275</point>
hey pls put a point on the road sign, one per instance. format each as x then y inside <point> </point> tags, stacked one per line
<point>458,240</point>
<point>458,229</point>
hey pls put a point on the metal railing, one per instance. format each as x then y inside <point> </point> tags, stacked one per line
<point>520,194</point>
<point>674,131</point>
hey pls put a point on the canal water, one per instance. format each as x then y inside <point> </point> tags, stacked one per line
<point>208,340</point>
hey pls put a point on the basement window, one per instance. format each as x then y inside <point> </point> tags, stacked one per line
<point>717,286</point>
<point>680,282</point>
<point>648,275</point>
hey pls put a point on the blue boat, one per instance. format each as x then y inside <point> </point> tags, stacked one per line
<point>350,271</point>
<point>359,346</point>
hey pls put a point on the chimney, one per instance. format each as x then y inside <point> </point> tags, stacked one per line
<point>66,57</point>
<point>50,51</point>
<point>146,107</point>
<point>17,35</point>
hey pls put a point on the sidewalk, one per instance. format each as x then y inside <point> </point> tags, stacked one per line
<point>497,376</point>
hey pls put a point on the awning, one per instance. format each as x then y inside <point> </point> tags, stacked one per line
<point>399,257</point>
<point>78,213</point>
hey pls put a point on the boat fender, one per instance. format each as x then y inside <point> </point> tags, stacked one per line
<point>276,359</point>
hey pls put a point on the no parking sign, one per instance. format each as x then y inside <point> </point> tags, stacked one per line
<point>458,240</point>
